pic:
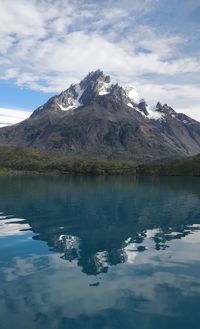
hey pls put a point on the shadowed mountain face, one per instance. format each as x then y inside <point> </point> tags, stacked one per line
<point>98,118</point>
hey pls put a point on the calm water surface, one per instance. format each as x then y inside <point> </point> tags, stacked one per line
<point>99,253</point>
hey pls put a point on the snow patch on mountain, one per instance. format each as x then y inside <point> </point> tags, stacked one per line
<point>79,91</point>
<point>130,105</point>
<point>132,93</point>
<point>104,88</point>
<point>153,114</point>
<point>70,107</point>
<point>73,96</point>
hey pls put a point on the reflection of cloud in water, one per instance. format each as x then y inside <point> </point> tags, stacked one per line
<point>100,252</point>
<point>152,233</point>
<point>10,226</point>
<point>127,251</point>
<point>130,252</point>
<point>54,288</point>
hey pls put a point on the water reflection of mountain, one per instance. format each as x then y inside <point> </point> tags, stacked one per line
<point>103,221</point>
<point>94,260</point>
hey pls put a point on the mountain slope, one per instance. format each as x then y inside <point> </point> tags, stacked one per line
<point>102,119</point>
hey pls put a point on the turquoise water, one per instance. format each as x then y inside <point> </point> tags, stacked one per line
<point>99,253</point>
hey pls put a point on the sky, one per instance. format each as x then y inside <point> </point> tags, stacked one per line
<point>45,45</point>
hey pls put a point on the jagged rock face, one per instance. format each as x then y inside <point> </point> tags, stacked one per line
<point>98,118</point>
<point>143,107</point>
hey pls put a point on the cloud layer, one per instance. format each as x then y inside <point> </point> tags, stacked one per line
<point>11,116</point>
<point>46,45</point>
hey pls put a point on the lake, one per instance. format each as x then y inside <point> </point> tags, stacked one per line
<point>99,252</point>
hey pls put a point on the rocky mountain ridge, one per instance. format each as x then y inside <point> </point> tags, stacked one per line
<point>99,118</point>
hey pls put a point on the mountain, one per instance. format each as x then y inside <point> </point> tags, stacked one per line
<point>99,118</point>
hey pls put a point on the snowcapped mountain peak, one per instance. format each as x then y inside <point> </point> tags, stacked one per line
<point>97,82</point>
<point>96,85</point>
<point>93,78</point>
<point>132,93</point>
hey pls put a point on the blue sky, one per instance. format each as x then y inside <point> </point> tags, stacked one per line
<point>46,45</point>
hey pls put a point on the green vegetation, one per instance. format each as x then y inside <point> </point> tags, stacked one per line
<point>15,160</point>
<point>182,167</point>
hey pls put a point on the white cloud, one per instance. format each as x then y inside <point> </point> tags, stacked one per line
<point>192,111</point>
<point>12,116</point>
<point>47,45</point>
<point>51,65</point>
